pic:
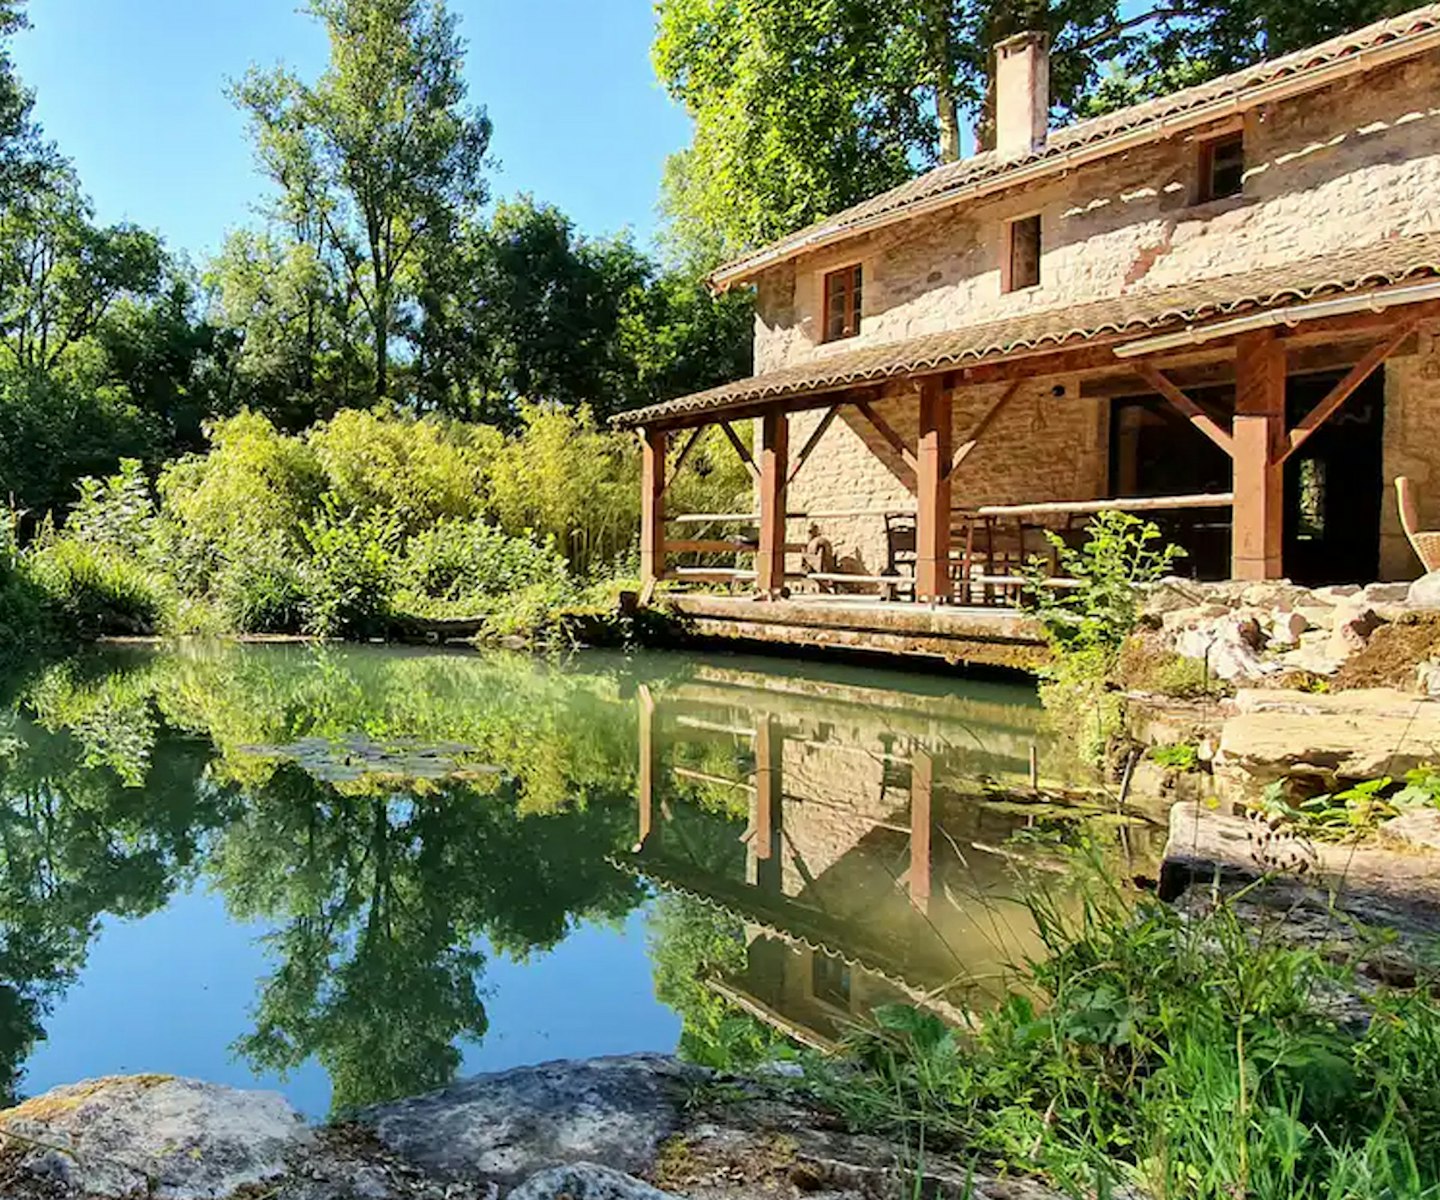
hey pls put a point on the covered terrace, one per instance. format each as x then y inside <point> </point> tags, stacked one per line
<point>1222,356</point>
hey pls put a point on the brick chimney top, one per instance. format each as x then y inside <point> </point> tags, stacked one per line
<point>1022,93</point>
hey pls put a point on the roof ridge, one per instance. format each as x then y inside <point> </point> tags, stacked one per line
<point>987,165</point>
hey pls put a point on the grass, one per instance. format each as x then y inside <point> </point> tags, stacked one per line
<point>1193,1058</point>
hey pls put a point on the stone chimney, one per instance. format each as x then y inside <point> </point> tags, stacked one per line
<point>1022,94</point>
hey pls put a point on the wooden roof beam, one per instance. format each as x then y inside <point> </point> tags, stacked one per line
<point>1197,416</point>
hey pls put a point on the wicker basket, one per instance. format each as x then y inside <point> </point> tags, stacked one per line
<point>1427,546</point>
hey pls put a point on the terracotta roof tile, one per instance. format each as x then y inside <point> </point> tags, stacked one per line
<point>1375,266</point>
<point>1156,115</point>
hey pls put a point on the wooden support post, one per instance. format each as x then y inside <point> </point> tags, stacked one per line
<point>932,525</point>
<point>1260,443</point>
<point>922,794</point>
<point>652,507</point>
<point>766,861</point>
<point>647,767</point>
<point>774,455</point>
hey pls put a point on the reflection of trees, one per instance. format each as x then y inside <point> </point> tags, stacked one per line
<point>383,902</point>
<point>75,844</point>
<point>384,897</point>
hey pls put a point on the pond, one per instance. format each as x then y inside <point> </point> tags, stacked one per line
<point>352,873</point>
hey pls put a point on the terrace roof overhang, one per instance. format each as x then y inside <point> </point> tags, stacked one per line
<point>1399,272</point>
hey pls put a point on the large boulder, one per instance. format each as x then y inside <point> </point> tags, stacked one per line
<point>1337,738</point>
<point>154,1136</point>
<point>586,1181</point>
<point>507,1127</point>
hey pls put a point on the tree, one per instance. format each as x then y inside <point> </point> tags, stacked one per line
<point>60,274</point>
<point>379,161</point>
<point>802,109</point>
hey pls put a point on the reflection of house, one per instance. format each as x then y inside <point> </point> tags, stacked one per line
<point>1217,307</point>
<point>867,877</point>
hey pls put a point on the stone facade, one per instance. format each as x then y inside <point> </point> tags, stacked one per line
<point>1358,159</point>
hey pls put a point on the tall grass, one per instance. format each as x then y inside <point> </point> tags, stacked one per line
<point>1189,1057</point>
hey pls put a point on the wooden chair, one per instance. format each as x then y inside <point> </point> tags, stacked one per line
<point>1425,542</point>
<point>900,544</point>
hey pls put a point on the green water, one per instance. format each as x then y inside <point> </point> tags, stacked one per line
<point>352,873</point>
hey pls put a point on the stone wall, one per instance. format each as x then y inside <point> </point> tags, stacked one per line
<point>1412,447</point>
<point>1360,156</point>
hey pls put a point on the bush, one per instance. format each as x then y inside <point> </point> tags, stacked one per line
<point>349,574</point>
<point>22,612</point>
<point>262,593</point>
<point>92,591</point>
<point>419,471</point>
<point>460,567</point>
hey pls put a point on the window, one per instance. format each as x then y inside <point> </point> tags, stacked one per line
<point>830,980</point>
<point>1023,266</point>
<point>842,304</point>
<point>1222,167</point>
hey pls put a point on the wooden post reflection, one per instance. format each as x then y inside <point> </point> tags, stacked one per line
<point>647,766</point>
<point>922,789</point>
<point>765,858</point>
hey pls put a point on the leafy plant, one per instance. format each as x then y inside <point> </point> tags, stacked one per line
<point>1178,756</point>
<point>349,575</point>
<point>1355,811</point>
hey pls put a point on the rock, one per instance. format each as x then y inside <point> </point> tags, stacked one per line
<point>1229,645</point>
<point>1425,591</point>
<point>1353,625</point>
<point>586,1181</point>
<point>1317,616</point>
<point>1344,737</point>
<point>159,1136</point>
<point>1286,627</point>
<point>508,1126</point>
<point>1386,593</point>
<point>1427,677</point>
<point>1172,595</point>
<point>1419,829</point>
<point>1203,839</point>
<point>1336,593</point>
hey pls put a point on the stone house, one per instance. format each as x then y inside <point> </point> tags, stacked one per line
<point>1218,309</point>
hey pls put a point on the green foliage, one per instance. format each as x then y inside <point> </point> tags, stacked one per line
<point>1178,756</point>
<point>1353,812</point>
<point>90,590</point>
<point>1087,625</point>
<point>1186,1057</point>
<point>348,576</point>
<point>803,109</point>
<point>1121,554</point>
<point>465,568</point>
<point>689,944</point>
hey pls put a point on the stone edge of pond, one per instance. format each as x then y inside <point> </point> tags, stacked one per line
<point>635,1127</point>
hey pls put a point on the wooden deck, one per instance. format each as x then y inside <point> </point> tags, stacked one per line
<point>990,637</point>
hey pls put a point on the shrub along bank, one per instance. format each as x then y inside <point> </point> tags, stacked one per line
<point>362,526</point>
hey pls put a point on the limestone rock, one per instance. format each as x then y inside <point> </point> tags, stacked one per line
<point>1347,736</point>
<point>1337,593</point>
<point>1425,591</point>
<point>508,1126</point>
<point>1352,627</point>
<point>1427,677</point>
<point>1317,616</point>
<point>1419,828</point>
<point>1386,593</point>
<point>1286,627</point>
<point>586,1181</point>
<point>159,1136</point>
<point>1229,644</point>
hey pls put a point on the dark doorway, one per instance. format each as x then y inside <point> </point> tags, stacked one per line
<point>1156,451</point>
<point>1335,484</point>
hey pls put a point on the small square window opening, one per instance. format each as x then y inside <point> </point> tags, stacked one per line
<point>1222,167</point>
<point>1024,266</point>
<point>842,303</point>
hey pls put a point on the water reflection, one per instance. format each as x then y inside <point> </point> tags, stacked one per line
<point>394,822</point>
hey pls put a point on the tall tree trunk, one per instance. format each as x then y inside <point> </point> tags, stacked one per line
<point>949,124</point>
<point>942,63</point>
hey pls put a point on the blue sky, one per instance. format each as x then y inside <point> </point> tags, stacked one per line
<point>133,92</point>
